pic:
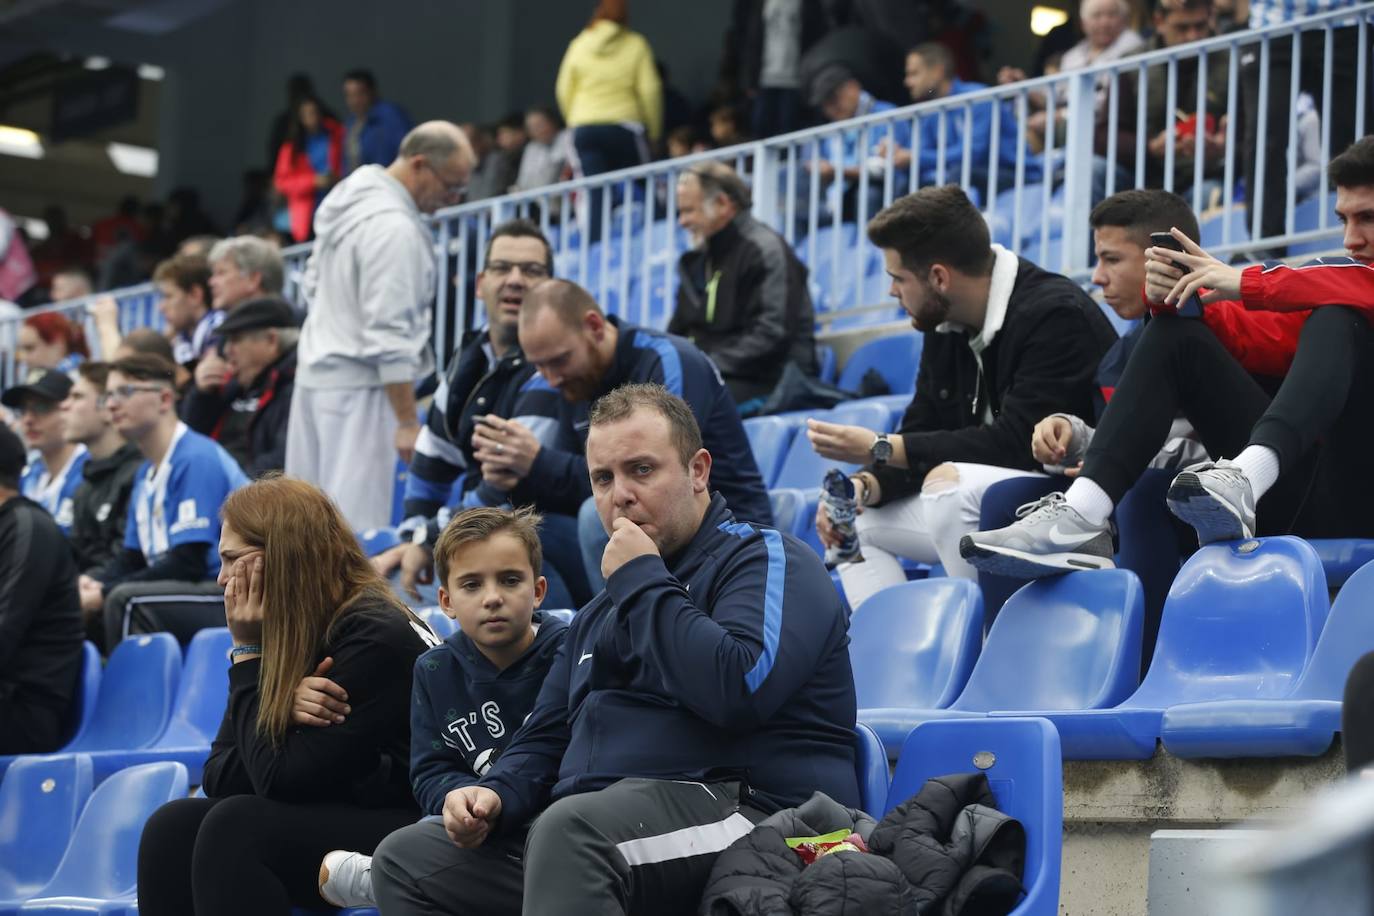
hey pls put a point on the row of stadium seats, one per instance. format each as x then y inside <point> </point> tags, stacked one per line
<point>78,851</point>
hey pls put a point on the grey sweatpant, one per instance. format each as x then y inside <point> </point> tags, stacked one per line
<point>343,440</point>
<point>639,846</point>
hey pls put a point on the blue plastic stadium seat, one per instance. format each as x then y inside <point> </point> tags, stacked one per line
<point>1306,218</point>
<point>398,492</point>
<point>825,362</point>
<point>896,405</point>
<point>1342,557</point>
<point>1082,632</point>
<point>1304,722</point>
<point>377,540</point>
<point>200,702</point>
<point>802,468</point>
<point>895,356</point>
<point>438,621</point>
<point>1213,227</point>
<point>789,507</point>
<point>913,646</point>
<point>100,868</point>
<point>997,510</point>
<point>40,801</point>
<point>1001,217</point>
<point>769,439</point>
<point>1240,622</point>
<point>83,706</point>
<point>864,412</point>
<point>1021,760</point>
<point>842,282</point>
<point>808,522</point>
<point>873,776</point>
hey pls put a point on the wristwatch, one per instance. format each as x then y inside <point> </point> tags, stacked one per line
<point>881,450</point>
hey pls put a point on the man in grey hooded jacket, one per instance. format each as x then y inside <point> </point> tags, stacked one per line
<point>366,337</point>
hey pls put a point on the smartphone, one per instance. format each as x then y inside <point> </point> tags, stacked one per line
<point>1192,308</point>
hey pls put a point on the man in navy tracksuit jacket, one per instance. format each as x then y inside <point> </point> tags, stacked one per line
<point>707,686</point>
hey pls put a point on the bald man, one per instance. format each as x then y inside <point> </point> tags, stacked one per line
<point>365,341</point>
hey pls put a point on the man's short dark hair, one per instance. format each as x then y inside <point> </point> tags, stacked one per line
<point>148,341</point>
<point>96,373</point>
<point>186,272</point>
<point>623,401</point>
<point>362,76</point>
<point>935,225</point>
<point>1144,211</point>
<point>146,367</point>
<point>13,457</point>
<point>1353,168</point>
<point>935,55</point>
<point>565,298</point>
<point>718,178</point>
<point>522,229</point>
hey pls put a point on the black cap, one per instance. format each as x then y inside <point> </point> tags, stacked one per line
<point>826,81</point>
<point>48,384</point>
<point>13,455</point>
<point>257,315</point>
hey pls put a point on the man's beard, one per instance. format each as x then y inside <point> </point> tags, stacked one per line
<point>587,387</point>
<point>934,310</point>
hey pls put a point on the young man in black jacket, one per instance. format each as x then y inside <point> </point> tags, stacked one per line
<point>1006,345</point>
<point>247,410</point>
<point>742,295</point>
<point>40,620</point>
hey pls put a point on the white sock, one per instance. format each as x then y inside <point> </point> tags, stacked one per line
<point>1260,465</point>
<point>1089,500</point>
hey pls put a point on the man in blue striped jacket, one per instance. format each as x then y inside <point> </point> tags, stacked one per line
<point>708,686</point>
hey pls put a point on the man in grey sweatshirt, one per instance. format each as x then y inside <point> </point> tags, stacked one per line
<point>366,337</point>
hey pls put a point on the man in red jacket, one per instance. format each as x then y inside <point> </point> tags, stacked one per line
<point>1301,441</point>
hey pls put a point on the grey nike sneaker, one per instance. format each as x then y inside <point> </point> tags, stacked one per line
<point>346,879</point>
<point>1215,498</point>
<point>1049,538</point>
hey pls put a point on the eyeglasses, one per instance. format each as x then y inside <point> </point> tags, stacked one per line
<point>532,269</point>
<point>124,392</point>
<point>451,188</point>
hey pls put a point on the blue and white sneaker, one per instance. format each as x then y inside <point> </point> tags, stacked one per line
<point>1049,538</point>
<point>1216,499</point>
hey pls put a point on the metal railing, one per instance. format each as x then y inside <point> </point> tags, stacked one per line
<point>616,234</point>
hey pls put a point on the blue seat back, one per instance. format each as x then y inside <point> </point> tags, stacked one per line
<point>1021,759</point>
<point>914,645</point>
<point>872,765</point>
<point>40,801</point>
<point>1149,548</point>
<point>377,540</point>
<point>825,362</point>
<point>136,694</point>
<point>1348,634</point>
<point>398,492</point>
<point>438,621</point>
<point>1240,622</point>
<point>804,469</point>
<point>1341,557</point>
<point>1068,642</point>
<point>1213,229</point>
<point>101,862</point>
<point>204,691</point>
<point>769,439</point>
<point>789,507</point>
<point>865,413</point>
<point>896,358</point>
<point>87,690</point>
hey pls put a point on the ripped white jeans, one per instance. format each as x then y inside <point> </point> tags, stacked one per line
<point>925,528</point>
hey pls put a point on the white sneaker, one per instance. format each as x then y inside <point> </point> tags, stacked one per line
<point>1216,499</point>
<point>346,879</point>
<point>1049,538</point>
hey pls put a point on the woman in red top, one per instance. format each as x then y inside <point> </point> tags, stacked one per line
<point>308,164</point>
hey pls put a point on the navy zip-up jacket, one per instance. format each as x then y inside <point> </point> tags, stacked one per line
<point>559,472</point>
<point>729,661</point>
<point>463,711</point>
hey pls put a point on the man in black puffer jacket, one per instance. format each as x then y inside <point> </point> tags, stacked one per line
<point>946,851</point>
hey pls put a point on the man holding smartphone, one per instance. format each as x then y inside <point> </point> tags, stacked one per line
<point>1299,431</point>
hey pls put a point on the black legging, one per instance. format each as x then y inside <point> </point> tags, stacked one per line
<point>1179,366</point>
<point>248,854</point>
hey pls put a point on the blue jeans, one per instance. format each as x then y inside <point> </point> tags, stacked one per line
<point>605,148</point>
<point>593,538</point>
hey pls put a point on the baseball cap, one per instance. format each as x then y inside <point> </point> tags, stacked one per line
<point>257,315</point>
<point>48,384</point>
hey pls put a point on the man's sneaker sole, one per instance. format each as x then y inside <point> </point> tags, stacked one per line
<point>1212,517</point>
<point>1019,564</point>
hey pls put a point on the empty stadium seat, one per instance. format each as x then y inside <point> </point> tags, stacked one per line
<point>1213,227</point>
<point>802,468</point>
<point>873,777</point>
<point>438,621</point>
<point>135,699</point>
<point>83,704</point>
<point>1002,217</point>
<point>825,363</point>
<point>895,356</point>
<point>1240,622</point>
<point>807,526</point>
<point>769,439</point>
<point>788,508</point>
<point>1021,759</point>
<point>201,699</point>
<point>378,540</point>
<point>1068,642</point>
<point>1342,557</point>
<point>1302,723</point>
<point>99,871</point>
<point>40,801</point>
<point>913,646</point>
<point>866,413</point>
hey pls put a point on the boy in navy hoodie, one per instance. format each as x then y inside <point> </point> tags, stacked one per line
<point>471,692</point>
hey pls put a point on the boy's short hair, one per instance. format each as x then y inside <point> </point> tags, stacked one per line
<point>1353,168</point>
<point>1141,211</point>
<point>482,524</point>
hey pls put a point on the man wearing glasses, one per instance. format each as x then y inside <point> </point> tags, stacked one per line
<point>490,388</point>
<point>366,338</point>
<point>165,577</point>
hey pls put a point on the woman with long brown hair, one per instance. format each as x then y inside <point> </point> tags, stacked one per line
<point>300,598</point>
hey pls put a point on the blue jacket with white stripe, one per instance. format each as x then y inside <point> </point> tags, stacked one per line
<point>559,473</point>
<point>728,661</point>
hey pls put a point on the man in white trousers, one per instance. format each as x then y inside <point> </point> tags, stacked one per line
<point>365,340</point>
